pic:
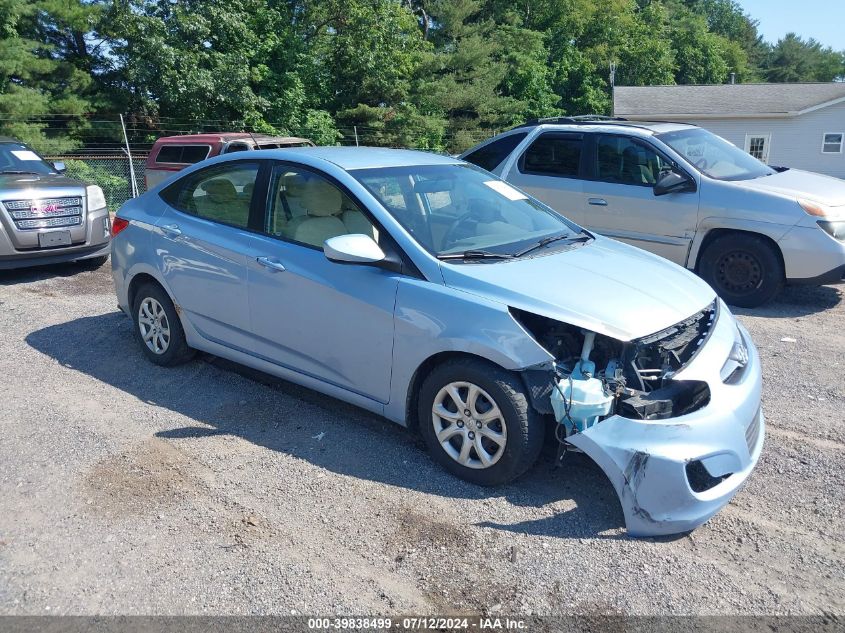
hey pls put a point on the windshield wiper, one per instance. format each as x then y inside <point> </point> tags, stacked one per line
<point>553,238</point>
<point>17,171</point>
<point>476,254</point>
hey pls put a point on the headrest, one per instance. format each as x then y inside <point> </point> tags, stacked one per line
<point>293,183</point>
<point>219,188</point>
<point>320,198</point>
<point>631,155</point>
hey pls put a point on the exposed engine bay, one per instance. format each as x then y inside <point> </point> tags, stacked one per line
<point>596,376</point>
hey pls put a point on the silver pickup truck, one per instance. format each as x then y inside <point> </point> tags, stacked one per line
<point>46,217</point>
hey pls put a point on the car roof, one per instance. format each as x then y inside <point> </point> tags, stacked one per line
<point>349,158</point>
<point>609,125</point>
<point>214,137</point>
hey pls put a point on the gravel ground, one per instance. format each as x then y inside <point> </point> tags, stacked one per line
<point>126,488</point>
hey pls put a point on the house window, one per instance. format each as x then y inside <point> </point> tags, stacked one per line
<point>832,143</point>
<point>758,146</point>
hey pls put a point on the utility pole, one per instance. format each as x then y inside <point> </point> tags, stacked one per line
<point>612,86</point>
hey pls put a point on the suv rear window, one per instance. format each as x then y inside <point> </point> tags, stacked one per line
<point>553,154</point>
<point>491,155</point>
<point>183,154</point>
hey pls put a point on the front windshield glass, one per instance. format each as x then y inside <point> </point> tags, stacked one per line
<point>451,209</point>
<point>713,156</point>
<point>17,158</point>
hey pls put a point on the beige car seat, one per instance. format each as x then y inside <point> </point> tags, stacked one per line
<point>634,168</point>
<point>322,203</point>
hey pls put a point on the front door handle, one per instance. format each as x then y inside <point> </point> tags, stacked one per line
<point>597,202</point>
<point>271,263</point>
<point>171,230</point>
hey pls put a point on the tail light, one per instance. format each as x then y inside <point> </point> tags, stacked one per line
<point>117,225</point>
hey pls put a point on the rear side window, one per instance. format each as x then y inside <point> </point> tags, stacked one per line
<point>182,154</point>
<point>553,154</point>
<point>491,155</point>
<point>220,194</point>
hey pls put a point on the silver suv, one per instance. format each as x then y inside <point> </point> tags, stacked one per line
<point>45,217</point>
<point>683,193</point>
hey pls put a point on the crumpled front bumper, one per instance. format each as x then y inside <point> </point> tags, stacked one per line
<point>646,461</point>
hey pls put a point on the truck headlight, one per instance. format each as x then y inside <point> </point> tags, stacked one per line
<point>96,198</point>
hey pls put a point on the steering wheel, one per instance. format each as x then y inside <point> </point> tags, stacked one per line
<point>452,234</point>
<point>701,163</point>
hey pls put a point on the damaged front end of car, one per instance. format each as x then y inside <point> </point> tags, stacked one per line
<point>673,418</point>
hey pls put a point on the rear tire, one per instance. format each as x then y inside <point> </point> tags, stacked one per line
<point>477,422</point>
<point>157,327</point>
<point>93,263</point>
<point>745,270</point>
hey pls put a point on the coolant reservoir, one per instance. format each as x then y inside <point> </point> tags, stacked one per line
<point>585,397</point>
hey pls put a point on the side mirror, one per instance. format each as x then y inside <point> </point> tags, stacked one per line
<point>673,182</point>
<point>59,166</point>
<point>356,248</point>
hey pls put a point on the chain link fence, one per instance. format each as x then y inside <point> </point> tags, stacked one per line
<point>111,173</point>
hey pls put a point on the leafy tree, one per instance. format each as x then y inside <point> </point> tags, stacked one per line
<point>38,78</point>
<point>795,59</point>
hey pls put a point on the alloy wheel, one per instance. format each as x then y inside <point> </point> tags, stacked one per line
<point>469,425</point>
<point>154,326</point>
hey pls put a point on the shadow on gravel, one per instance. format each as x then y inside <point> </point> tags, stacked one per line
<point>40,273</point>
<point>797,301</point>
<point>284,417</point>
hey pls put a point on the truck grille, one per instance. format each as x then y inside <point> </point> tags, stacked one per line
<point>45,213</point>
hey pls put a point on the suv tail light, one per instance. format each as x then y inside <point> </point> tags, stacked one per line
<point>117,225</point>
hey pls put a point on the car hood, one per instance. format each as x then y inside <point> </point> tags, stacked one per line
<point>797,183</point>
<point>603,286</point>
<point>37,181</point>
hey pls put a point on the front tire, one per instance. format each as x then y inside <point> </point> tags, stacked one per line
<point>157,327</point>
<point>745,270</point>
<point>477,422</point>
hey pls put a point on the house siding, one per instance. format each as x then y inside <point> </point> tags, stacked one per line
<point>795,141</point>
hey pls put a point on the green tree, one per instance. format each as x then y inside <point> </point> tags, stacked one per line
<point>39,77</point>
<point>795,59</point>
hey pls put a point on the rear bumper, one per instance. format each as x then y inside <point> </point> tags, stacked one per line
<point>649,462</point>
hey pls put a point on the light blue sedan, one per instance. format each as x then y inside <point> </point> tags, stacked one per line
<point>427,290</point>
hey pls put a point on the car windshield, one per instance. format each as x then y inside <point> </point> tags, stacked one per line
<point>461,209</point>
<point>17,158</point>
<point>713,156</point>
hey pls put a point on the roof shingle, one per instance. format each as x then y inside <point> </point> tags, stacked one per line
<point>725,99</point>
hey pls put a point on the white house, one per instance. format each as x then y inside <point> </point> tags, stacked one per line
<point>799,125</point>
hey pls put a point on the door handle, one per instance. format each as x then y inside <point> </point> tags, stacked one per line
<point>597,202</point>
<point>272,264</point>
<point>171,229</point>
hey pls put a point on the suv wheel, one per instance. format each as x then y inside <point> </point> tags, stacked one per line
<point>745,270</point>
<point>157,327</point>
<point>477,422</point>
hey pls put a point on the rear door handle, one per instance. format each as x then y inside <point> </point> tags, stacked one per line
<point>597,202</point>
<point>171,229</point>
<point>271,263</point>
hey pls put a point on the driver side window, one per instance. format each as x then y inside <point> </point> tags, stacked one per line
<point>622,160</point>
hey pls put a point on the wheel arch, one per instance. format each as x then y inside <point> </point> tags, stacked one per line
<point>421,373</point>
<point>717,232</point>
<point>140,279</point>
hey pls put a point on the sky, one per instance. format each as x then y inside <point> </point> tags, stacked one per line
<point>822,20</point>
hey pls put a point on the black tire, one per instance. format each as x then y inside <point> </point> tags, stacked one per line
<point>745,270</point>
<point>177,351</point>
<point>524,427</point>
<point>93,263</point>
